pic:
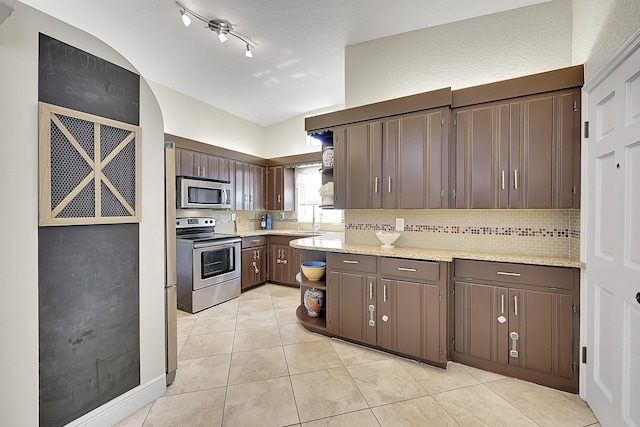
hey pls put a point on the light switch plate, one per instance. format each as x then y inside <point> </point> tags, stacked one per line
<point>233,217</point>
<point>399,224</point>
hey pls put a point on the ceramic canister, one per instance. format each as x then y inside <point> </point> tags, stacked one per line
<point>313,301</point>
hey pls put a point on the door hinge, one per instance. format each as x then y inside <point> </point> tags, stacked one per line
<point>453,291</point>
<point>573,366</point>
<point>584,355</point>
<point>575,105</point>
<point>440,297</point>
<point>453,342</point>
<point>574,308</point>
<point>443,121</point>
<point>586,129</point>
<point>454,194</point>
<point>574,190</point>
<point>440,349</point>
<point>455,122</point>
<point>442,194</point>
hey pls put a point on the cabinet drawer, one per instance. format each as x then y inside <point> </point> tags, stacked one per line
<point>361,263</point>
<point>252,242</point>
<point>282,240</point>
<point>419,271</point>
<point>535,275</point>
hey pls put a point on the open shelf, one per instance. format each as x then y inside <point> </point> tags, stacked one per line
<point>303,281</point>
<point>315,322</point>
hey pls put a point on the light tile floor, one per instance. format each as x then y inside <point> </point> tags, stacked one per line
<point>248,362</point>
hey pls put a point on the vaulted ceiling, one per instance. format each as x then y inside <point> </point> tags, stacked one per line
<point>297,64</point>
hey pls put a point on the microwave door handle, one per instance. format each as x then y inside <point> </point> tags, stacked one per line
<point>224,196</point>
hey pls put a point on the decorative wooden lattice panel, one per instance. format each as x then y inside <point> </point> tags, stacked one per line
<point>89,168</point>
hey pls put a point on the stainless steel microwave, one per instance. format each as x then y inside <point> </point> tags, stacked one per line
<point>202,193</point>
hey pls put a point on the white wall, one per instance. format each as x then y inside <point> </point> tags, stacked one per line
<point>288,138</point>
<point>600,28</point>
<point>19,213</point>
<point>190,118</point>
<point>461,54</point>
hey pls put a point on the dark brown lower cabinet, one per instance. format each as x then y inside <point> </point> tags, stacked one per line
<point>352,288</point>
<point>518,320</point>
<point>254,261</point>
<point>284,261</point>
<point>393,304</point>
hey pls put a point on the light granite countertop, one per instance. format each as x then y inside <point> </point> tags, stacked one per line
<point>293,233</point>
<point>334,242</point>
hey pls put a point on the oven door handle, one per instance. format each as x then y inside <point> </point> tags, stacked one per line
<point>218,245</point>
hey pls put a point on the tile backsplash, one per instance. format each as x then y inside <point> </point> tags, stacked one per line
<point>552,232</point>
<point>545,232</point>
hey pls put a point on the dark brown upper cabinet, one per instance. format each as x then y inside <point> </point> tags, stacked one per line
<point>201,165</point>
<point>518,153</point>
<point>281,188</point>
<point>414,161</point>
<point>249,187</point>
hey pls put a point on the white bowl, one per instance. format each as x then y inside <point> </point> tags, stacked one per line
<point>387,238</point>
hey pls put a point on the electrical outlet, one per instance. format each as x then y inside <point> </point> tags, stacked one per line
<point>399,224</point>
<point>233,217</point>
<point>281,216</point>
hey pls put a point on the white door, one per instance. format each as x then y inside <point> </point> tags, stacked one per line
<point>613,247</point>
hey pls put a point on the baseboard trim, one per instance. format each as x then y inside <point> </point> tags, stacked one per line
<point>124,405</point>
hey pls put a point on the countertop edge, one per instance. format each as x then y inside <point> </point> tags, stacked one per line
<point>328,244</point>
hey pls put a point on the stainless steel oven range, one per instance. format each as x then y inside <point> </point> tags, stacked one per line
<point>208,264</point>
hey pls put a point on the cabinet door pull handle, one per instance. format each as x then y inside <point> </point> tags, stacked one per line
<point>515,305</point>
<point>502,179</point>
<point>506,273</point>
<point>204,171</point>
<point>406,269</point>
<point>389,184</point>
<point>370,290</point>
<point>384,293</point>
<point>515,179</point>
<point>349,261</point>
<point>375,186</point>
<point>502,304</point>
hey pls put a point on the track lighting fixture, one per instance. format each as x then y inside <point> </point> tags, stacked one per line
<point>186,20</point>
<point>221,27</point>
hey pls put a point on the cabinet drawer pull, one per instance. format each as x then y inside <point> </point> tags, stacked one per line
<point>506,273</point>
<point>384,293</point>
<point>502,179</point>
<point>255,241</point>
<point>375,186</point>
<point>515,179</point>
<point>515,305</point>
<point>407,269</point>
<point>349,261</point>
<point>370,290</point>
<point>502,304</point>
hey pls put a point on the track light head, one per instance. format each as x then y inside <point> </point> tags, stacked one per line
<point>222,36</point>
<point>186,20</point>
<point>248,52</point>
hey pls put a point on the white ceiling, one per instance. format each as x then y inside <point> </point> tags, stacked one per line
<point>298,64</point>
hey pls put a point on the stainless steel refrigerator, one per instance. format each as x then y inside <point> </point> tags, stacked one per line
<point>170,281</point>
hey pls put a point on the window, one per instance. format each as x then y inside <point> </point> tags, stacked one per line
<point>308,183</point>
